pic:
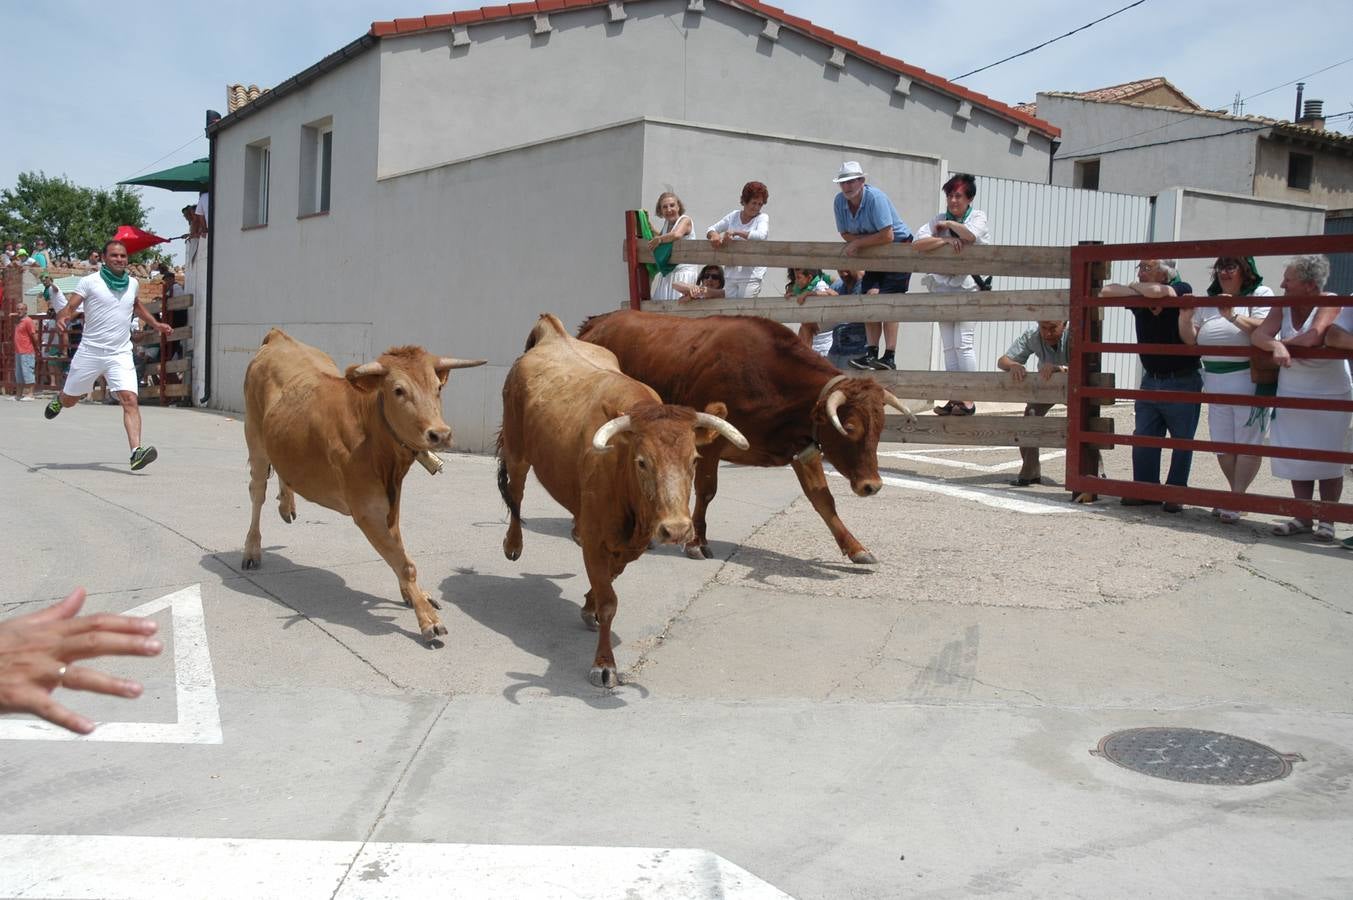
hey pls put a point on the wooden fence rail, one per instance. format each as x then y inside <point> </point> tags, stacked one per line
<point>983,306</point>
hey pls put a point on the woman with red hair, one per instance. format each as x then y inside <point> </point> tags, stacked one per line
<point>746,223</point>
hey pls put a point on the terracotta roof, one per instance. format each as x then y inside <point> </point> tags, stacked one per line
<point>1116,93</point>
<point>401,27</point>
<point>1260,122</point>
<point>238,95</point>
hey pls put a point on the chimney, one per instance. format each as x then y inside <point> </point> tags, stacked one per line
<point>1313,115</point>
<point>1296,116</point>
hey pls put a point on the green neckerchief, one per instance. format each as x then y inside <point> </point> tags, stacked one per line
<point>1214,288</point>
<point>950,217</point>
<point>662,254</point>
<point>115,284</point>
<point>808,288</point>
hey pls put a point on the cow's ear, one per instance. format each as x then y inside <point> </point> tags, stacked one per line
<point>705,434</point>
<point>366,377</point>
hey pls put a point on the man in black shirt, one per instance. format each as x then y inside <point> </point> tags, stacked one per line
<point>1158,325</point>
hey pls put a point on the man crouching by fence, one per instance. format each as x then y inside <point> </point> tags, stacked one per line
<point>1050,342</point>
<point>109,300</point>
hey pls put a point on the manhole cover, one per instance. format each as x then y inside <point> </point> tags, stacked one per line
<point>1196,757</point>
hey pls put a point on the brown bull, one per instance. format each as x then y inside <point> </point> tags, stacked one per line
<point>345,442</point>
<point>609,451</point>
<point>793,405</point>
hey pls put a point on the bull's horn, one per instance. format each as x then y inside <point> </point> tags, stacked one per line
<point>371,368</point>
<point>723,427</point>
<point>602,438</point>
<point>834,401</point>
<point>450,362</point>
<point>901,407</point>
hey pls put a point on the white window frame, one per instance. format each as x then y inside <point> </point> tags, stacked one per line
<point>257,183</point>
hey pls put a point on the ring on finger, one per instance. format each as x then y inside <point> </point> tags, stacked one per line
<point>61,674</point>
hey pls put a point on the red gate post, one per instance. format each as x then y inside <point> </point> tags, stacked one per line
<point>637,272</point>
<point>1088,327</point>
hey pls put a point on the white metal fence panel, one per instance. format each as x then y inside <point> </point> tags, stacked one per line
<point>1023,212</point>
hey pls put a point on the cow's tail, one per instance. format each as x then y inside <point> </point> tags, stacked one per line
<point>506,494</point>
<point>548,327</point>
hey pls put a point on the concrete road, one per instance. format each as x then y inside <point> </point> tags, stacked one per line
<point>789,724</point>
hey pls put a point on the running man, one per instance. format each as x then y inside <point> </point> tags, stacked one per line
<point>109,300</point>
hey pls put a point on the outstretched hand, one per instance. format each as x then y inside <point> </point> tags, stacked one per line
<point>36,652</point>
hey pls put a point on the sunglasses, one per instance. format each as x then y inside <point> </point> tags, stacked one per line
<point>1228,267</point>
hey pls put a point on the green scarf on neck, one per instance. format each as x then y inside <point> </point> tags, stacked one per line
<point>116,284</point>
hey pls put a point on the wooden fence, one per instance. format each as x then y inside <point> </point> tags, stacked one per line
<point>983,306</point>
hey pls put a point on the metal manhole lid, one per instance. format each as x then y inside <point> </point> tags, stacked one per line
<point>1194,756</point>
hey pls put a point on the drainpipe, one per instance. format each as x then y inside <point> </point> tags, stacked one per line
<point>1296,116</point>
<point>205,343</point>
<point>1052,155</point>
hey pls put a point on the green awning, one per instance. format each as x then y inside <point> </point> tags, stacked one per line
<point>192,176</point>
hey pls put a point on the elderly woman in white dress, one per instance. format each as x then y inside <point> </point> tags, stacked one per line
<point>676,226</point>
<point>1233,280</point>
<point>1326,379</point>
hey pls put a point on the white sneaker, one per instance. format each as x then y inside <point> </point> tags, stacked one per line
<point>22,399</point>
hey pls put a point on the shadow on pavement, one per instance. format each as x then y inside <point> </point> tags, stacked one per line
<point>532,612</point>
<point>319,594</point>
<point>86,467</point>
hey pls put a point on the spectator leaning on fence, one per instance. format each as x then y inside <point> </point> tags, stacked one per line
<point>1157,278</point>
<point>804,283</point>
<point>848,338</point>
<point>1051,343</point>
<point>1340,337</point>
<point>25,353</point>
<point>708,285</point>
<point>676,226</point>
<point>1324,379</point>
<point>746,223</point>
<point>959,226</point>
<point>865,217</point>
<point>1228,326</point>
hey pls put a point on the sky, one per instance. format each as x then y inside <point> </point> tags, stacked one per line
<point>98,115</point>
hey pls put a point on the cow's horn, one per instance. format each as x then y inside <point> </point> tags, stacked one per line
<point>602,438</point>
<point>901,407</point>
<point>450,362</point>
<point>371,368</point>
<point>723,427</point>
<point>834,401</point>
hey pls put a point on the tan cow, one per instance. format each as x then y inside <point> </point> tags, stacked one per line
<point>345,442</point>
<point>609,451</point>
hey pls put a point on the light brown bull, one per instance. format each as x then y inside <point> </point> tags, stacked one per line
<point>609,451</point>
<point>345,442</point>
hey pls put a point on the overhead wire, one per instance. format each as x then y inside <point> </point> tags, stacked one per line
<point>1050,41</point>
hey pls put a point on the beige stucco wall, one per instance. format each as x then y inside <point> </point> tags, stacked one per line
<point>509,86</point>
<point>1331,174</point>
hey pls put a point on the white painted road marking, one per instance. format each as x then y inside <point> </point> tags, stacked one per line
<point>997,499</point>
<point>199,715</point>
<point>70,867</point>
<point>960,464</point>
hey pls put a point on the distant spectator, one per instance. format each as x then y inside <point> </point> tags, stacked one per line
<point>1340,337</point>
<point>41,255</point>
<point>1051,343</point>
<point>8,256</point>
<point>865,217</point>
<point>25,353</point>
<point>960,225</point>
<point>201,216</point>
<point>1157,278</point>
<point>746,223</point>
<point>56,301</point>
<point>1324,379</point>
<point>709,285</point>
<point>676,226</point>
<point>95,260</point>
<point>1212,326</point>
<point>804,283</point>
<point>848,338</point>
<point>188,212</point>
<point>24,259</point>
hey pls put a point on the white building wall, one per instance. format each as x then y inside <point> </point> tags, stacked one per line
<point>510,86</point>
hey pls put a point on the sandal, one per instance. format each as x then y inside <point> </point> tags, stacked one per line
<point>1228,517</point>
<point>1290,527</point>
<point>945,410</point>
<point>961,410</point>
<point>1324,533</point>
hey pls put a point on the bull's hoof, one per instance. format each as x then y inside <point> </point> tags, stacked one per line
<point>250,562</point>
<point>698,551</point>
<point>589,619</point>
<point>863,558</point>
<point>433,633</point>
<point>288,517</point>
<point>603,677</point>
<point>512,553</point>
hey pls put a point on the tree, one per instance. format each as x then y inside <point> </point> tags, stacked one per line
<point>73,219</point>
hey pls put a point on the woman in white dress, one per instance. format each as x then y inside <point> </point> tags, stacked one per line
<point>746,223</point>
<point>676,225</point>
<point>1340,337</point>
<point>1229,326</point>
<point>1326,379</point>
<point>959,225</point>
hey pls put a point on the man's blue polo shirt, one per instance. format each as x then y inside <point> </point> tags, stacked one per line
<point>875,214</point>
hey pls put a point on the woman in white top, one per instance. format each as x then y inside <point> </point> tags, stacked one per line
<point>1340,337</point>
<point>747,223</point>
<point>1231,326</point>
<point>676,225</point>
<point>1326,379</point>
<point>959,226</point>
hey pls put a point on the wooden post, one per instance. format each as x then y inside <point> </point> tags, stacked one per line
<point>1090,281</point>
<point>638,274</point>
<point>12,285</point>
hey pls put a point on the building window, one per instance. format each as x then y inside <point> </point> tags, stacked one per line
<point>1087,174</point>
<point>1299,166</point>
<point>317,156</point>
<point>257,162</point>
